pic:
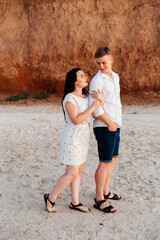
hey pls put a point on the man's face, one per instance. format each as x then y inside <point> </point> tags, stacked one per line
<point>104,63</point>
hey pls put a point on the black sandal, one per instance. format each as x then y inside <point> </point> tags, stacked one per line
<point>75,207</point>
<point>106,209</point>
<point>46,198</point>
<point>115,196</point>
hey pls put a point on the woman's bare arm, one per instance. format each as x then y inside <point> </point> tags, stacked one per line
<point>79,118</point>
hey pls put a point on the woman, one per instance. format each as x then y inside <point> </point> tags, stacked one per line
<point>75,138</point>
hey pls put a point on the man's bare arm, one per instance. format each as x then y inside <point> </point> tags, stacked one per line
<point>112,126</point>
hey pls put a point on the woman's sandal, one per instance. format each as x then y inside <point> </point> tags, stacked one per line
<point>115,196</point>
<point>75,207</point>
<point>46,198</point>
<point>106,209</point>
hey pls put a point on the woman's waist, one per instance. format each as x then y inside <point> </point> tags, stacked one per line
<point>84,124</point>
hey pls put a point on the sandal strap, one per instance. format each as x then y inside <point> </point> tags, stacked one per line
<point>53,203</point>
<point>99,203</point>
<point>108,209</point>
<point>115,196</point>
<point>107,196</point>
<point>78,205</point>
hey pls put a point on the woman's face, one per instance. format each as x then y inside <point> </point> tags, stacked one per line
<point>81,81</point>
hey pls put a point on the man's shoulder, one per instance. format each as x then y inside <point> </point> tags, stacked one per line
<point>96,78</point>
<point>115,74</point>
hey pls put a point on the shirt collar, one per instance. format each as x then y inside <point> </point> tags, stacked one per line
<point>104,75</point>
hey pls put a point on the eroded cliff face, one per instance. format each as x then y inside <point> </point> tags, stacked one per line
<point>43,39</point>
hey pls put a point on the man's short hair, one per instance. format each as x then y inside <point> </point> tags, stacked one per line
<point>102,51</point>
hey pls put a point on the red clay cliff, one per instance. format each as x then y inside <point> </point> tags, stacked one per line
<point>43,39</point>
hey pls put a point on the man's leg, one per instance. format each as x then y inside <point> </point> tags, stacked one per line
<point>105,140</point>
<point>100,176</point>
<point>109,175</point>
<point>114,160</point>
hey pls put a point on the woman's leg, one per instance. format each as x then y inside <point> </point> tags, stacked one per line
<point>75,189</point>
<point>75,186</point>
<point>70,174</point>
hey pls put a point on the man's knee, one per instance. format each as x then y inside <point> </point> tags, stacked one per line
<point>114,160</point>
<point>105,165</point>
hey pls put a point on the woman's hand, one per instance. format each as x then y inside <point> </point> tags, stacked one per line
<point>95,104</point>
<point>98,96</point>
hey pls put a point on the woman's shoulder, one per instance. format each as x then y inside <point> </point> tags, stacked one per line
<point>69,98</point>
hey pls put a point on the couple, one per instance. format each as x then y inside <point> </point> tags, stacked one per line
<point>105,105</point>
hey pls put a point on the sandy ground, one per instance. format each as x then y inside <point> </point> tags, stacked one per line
<point>29,145</point>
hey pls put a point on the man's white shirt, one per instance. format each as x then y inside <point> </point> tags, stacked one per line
<point>111,93</point>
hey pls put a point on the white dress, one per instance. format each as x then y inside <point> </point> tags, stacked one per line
<point>75,138</point>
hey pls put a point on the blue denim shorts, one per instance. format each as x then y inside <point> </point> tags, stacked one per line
<point>108,143</point>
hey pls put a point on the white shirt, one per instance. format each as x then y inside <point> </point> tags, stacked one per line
<point>111,93</point>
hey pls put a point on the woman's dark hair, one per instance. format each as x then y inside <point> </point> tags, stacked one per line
<point>71,78</point>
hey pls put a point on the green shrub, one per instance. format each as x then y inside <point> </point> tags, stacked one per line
<point>41,95</point>
<point>17,97</point>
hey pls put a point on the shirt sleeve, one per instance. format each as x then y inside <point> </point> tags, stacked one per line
<point>96,83</point>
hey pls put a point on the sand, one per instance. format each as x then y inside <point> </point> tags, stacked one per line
<point>29,145</point>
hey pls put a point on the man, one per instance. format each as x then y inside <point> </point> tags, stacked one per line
<point>106,125</point>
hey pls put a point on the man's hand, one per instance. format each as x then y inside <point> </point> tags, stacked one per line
<point>112,127</point>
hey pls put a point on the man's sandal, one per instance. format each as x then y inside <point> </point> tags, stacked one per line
<point>106,209</point>
<point>46,198</point>
<point>76,207</point>
<point>115,196</point>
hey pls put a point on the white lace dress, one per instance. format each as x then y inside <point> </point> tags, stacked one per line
<point>75,138</point>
